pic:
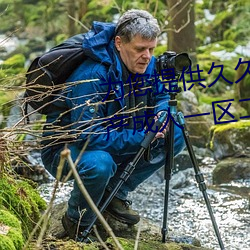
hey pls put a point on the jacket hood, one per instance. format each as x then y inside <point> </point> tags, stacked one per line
<point>98,42</point>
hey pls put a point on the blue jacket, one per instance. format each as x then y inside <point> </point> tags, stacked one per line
<point>89,114</point>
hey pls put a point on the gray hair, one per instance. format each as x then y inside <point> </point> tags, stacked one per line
<point>137,22</point>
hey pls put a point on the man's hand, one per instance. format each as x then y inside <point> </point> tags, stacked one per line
<point>166,127</point>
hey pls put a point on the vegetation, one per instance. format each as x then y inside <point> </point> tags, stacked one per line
<point>220,35</point>
<point>20,205</point>
<point>212,32</point>
<point>22,200</point>
<point>11,237</point>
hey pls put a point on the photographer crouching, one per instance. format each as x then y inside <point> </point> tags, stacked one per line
<point>108,115</point>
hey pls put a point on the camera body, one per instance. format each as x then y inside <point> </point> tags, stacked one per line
<point>170,60</point>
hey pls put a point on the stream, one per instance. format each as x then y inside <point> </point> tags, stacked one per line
<point>187,212</point>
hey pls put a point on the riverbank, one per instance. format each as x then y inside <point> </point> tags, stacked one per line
<point>188,215</point>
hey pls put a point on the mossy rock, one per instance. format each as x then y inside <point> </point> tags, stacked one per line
<point>128,244</point>
<point>236,109</point>
<point>197,126</point>
<point>198,129</point>
<point>242,89</point>
<point>21,199</point>
<point>11,237</point>
<point>232,139</point>
<point>231,169</point>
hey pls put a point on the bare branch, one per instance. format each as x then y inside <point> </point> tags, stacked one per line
<point>66,154</point>
<point>77,21</point>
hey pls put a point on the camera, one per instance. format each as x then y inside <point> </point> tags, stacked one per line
<point>171,60</point>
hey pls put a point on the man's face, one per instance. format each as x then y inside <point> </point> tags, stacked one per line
<point>137,53</point>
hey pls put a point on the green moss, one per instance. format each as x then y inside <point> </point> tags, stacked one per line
<point>92,246</point>
<point>208,99</point>
<point>12,71</point>
<point>128,244</point>
<point>21,199</point>
<point>13,239</point>
<point>6,243</point>
<point>160,50</point>
<point>230,126</point>
<point>16,237</point>
<point>6,96</point>
<point>9,219</point>
<point>16,61</point>
<point>61,38</point>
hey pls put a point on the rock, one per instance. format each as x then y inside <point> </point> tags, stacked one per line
<point>149,238</point>
<point>30,167</point>
<point>191,102</point>
<point>230,144</point>
<point>181,179</point>
<point>242,88</point>
<point>182,161</point>
<point>197,126</point>
<point>231,169</point>
<point>230,140</point>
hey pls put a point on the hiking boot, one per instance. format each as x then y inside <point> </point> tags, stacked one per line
<point>121,211</point>
<point>75,231</point>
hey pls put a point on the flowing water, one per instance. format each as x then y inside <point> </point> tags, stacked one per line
<point>187,212</point>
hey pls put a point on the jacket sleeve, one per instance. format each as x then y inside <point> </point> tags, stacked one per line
<point>159,97</point>
<point>90,121</point>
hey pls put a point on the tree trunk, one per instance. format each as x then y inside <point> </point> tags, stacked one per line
<point>83,7</point>
<point>181,28</point>
<point>72,13</point>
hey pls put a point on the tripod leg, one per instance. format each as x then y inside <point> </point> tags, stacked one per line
<point>199,177</point>
<point>168,173</point>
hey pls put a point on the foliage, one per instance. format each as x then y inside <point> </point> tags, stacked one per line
<point>220,29</point>
<point>226,19</point>
<point>12,71</point>
<point>223,20</point>
<point>22,200</point>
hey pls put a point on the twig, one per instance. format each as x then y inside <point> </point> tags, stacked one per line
<point>77,21</point>
<point>99,238</point>
<point>66,154</point>
<point>137,236</point>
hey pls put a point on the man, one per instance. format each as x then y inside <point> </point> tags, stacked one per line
<point>118,55</point>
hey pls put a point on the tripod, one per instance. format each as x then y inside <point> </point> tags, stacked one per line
<point>170,161</point>
<point>168,165</point>
<point>129,168</point>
